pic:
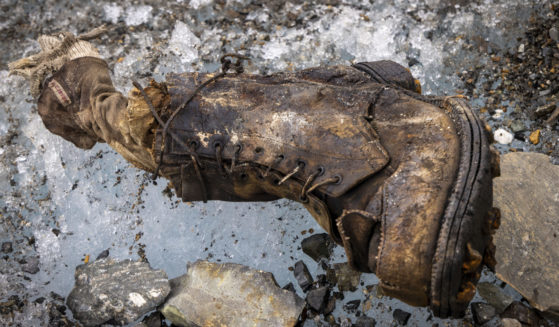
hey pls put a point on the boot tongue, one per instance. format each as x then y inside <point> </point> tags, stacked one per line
<point>263,118</point>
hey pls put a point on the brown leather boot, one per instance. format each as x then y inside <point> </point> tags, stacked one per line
<point>402,181</point>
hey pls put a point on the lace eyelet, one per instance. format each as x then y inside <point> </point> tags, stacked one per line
<point>238,148</point>
<point>301,163</point>
<point>217,144</point>
<point>194,144</point>
<point>258,150</point>
<point>340,178</point>
<point>321,170</point>
<point>304,199</point>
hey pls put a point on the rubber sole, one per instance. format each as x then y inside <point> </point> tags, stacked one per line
<point>463,236</point>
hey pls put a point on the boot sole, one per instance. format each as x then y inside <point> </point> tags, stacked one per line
<point>466,212</point>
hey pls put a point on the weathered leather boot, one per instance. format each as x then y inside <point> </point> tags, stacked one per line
<point>402,181</point>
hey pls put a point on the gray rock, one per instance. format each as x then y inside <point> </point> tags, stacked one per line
<point>344,276</point>
<point>318,246</point>
<point>495,296</point>
<point>7,247</point>
<point>527,196</point>
<point>365,321</point>
<point>517,126</point>
<point>229,294</point>
<point>31,265</point>
<point>482,312</point>
<point>554,33</point>
<point>316,298</point>
<point>121,291</point>
<point>401,316</point>
<point>522,313</point>
<point>302,275</point>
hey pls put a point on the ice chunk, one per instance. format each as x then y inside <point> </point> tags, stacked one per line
<point>112,12</point>
<point>184,43</point>
<point>138,15</point>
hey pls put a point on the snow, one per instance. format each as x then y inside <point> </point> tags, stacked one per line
<point>138,15</point>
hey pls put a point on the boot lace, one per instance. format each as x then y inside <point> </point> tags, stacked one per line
<point>226,65</point>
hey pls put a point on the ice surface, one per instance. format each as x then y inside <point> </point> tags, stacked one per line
<point>75,203</point>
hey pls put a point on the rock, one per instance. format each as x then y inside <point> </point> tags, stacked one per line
<point>482,312</point>
<point>352,306</point>
<point>31,265</point>
<point>103,254</point>
<point>401,316</point>
<point>365,321</point>
<point>316,298</point>
<point>522,313</point>
<point>494,296</point>
<point>229,294</point>
<point>535,136</point>
<point>527,196</point>
<point>554,33</point>
<point>318,246</point>
<point>330,306</point>
<point>290,287</point>
<point>502,136</point>
<point>344,276</point>
<point>302,275</point>
<point>121,291</point>
<point>517,126</point>
<point>7,247</point>
<point>508,322</point>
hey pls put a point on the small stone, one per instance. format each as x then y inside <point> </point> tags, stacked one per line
<point>121,291</point>
<point>522,313</point>
<point>365,321</point>
<point>521,48</point>
<point>554,33</point>
<point>330,306</point>
<point>289,287</point>
<point>495,296</point>
<point>7,247</point>
<point>302,275</point>
<point>31,265</point>
<point>318,246</point>
<point>228,294</point>
<point>502,136</point>
<point>482,312</point>
<point>508,322</point>
<point>535,136</point>
<point>316,298</point>
<point>401,316</point>
<point>344,276</point>
<point>352,306</point>
<point>544,110</point>
<point>517,126</point>
<point>103,254</point>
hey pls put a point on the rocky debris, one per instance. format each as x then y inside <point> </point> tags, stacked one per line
<point>508,322</point>
<point>495,296</point>
<point>482,312</point>
<point>525,193</point>
<point>156,319</point>
<point>344,276</point>
<point>330,306</point>
<point>117,291</point>
<point>302,275</point>
<point>526,316</point>
<point>365,321</point>
<point>318,246</point>
<point>317,298</point>
<point>502,136</point>
<point>103,254</point>
<point>31,265</point>
<point>289,287</point>
<point>228,294</point>
<point>401,316</point>
<point>352,306</point>
<point>7,247</point>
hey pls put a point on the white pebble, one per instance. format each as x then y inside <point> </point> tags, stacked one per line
<point>502,136</point>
